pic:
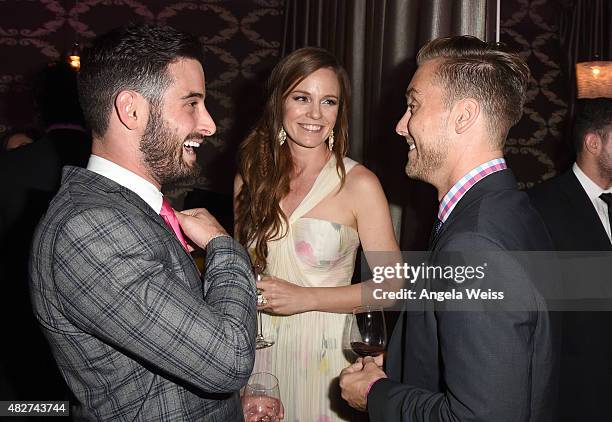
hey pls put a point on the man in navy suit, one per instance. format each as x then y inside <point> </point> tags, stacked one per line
<point>576,208</point>
<point>494,362</point>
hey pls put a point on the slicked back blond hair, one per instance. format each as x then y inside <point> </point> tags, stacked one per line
<point>471,68</point>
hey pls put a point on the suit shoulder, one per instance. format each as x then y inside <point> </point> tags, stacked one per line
<point>509,219</point>
<point>548,189</point>
<point>101,228</point>
<point>470,240</point>
<point>79,206</point>
<point>70,211</point>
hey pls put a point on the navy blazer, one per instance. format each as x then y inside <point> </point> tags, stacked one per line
<point>586,353</point>
<point>490,365</point>
<point>569,214</point>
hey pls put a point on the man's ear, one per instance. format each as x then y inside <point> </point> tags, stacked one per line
<point>466,113</point>
<point>592,143</point>
<point>129,106</point>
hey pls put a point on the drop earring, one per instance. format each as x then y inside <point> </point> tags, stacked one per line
<point>282,136</point>
<point>330,140</point>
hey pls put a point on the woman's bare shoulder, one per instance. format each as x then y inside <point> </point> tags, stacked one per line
<point>362,181</point>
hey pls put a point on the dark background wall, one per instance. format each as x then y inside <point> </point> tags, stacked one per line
<point>538,147</point>
<point>242,40</point>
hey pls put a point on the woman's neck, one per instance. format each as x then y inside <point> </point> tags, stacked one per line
<point>308,161</point>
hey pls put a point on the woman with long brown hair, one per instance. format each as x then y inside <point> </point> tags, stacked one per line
<point>302,208</point>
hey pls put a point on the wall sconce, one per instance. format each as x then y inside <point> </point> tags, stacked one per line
<point>594,79</point>
<point>74,57</point>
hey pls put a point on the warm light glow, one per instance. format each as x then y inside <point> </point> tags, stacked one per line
<point>75,62</point>
<point>594,79</point>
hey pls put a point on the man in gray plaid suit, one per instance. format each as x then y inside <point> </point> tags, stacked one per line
<point>137,332</point>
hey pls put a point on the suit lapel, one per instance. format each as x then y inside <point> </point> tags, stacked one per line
<point>139,203</point>
<point>501,180</point>
<point>113,189</point>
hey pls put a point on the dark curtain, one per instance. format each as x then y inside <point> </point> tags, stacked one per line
<point>585,32</point>
<point>377,42</point>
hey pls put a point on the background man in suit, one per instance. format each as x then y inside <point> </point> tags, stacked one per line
<point>136,332</point>
<point>576,207</point>
<point>495,364</point>
<point>581,195</point>
<point>29,178</point>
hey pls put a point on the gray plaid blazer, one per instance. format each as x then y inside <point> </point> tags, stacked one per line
<point>136,332</point>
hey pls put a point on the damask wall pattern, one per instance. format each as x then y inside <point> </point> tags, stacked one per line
<point>241,40</point>
<point>537,147</point>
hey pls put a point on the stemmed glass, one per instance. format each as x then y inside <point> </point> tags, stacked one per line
<point>368,331</point>
<point>260,341</point>
<point>261,400</point>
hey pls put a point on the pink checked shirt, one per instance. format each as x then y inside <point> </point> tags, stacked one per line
<point>465,183</point>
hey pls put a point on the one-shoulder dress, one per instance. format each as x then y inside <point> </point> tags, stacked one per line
<point>311,348</point>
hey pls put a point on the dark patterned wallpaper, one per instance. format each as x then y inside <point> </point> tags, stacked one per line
<point>241,39</point>
<point>242,42</point>
<point>536,147</point>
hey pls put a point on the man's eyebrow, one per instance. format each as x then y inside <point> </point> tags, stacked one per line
<point>192,95</point>
<point>410,92</point>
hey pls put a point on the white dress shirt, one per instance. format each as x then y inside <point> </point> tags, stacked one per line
<point>141,187</point>
<point>593,191</point>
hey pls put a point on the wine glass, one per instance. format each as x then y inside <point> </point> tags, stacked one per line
<point>260,341</point>
<point>261,400</point>
<point>368,331</point>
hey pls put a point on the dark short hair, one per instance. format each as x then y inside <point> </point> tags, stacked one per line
<point>134,57</point>
<point>472,68</point>
<point>592,116</point>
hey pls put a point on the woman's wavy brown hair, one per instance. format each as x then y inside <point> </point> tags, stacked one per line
<point>265,166</point>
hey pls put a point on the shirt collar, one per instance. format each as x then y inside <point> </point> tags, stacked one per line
<point>464,184</point>
<point>141,187</point>
<point>592,189</point>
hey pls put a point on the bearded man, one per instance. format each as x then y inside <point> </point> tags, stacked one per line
<point>576,207</point>
<point>137,332</point>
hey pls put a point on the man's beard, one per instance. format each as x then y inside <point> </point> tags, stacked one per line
<point>429,159</point>
<point>604,163</point>
<point>162,151</point>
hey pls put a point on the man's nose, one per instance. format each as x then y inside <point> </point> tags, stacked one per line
<point>206,124</point>
<point>402,126</point>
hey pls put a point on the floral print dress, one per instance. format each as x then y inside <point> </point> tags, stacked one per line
<point>311,348</point>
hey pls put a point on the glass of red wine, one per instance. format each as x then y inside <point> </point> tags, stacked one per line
<point>368,331</point>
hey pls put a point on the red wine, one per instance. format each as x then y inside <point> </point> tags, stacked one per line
<point>363,349</point>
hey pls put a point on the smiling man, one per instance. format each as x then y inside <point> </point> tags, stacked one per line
<point>493,361</point>
<point>137,332</point>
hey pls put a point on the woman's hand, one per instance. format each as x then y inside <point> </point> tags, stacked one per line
<point>284,298</point>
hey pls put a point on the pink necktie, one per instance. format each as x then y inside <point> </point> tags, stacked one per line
<point>167,213</point>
